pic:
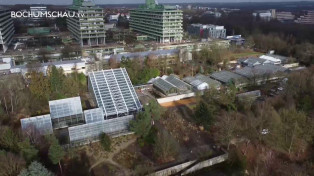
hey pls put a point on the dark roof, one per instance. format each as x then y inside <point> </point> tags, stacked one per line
<point>227,77</point>
<point>260,70</point>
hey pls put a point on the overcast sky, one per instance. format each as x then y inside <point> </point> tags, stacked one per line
<point>58,2</point>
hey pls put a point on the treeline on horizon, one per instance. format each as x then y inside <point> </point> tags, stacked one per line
<point>288,39</point>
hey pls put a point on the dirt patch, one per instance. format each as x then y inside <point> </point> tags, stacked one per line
<point>107,169</point>
<point>131,157</point>
<point>188,101</point>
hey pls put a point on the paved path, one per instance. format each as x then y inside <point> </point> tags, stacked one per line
<point>110,160</point>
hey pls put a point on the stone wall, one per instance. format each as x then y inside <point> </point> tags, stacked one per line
<point>191,166</point>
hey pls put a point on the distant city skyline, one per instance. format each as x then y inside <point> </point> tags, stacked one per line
<point>67,2</point>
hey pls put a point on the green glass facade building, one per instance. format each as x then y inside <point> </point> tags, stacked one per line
<point>88,28</point>
<point>159,22</point>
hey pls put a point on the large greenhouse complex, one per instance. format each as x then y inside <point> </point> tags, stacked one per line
<point>117,104</point>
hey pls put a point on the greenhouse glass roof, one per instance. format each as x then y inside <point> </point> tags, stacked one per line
<point>163,85</point>
<point>114,92</point>
<point>94,115</point>
<point>92,130</point>
<point>177,82</point>
<point>65,107</point>
<point>41,123</point>
<point>83,132</point>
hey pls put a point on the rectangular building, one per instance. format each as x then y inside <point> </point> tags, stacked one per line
<point>66,112</point>
<point>36,11</point>
<point>171,85</point>
<point>159,22</point>
<point>88,26</point>
<point>207,31</point>
<point>114,93</point>
<point>6,30</point>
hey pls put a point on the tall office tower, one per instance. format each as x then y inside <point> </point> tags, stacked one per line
<point>6,30</point>
<point>36,10</point>
<point>159,22</point>
<point>88,25</point>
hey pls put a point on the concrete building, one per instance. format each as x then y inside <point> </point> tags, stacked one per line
<point>236,39</point>
<point>69,66</point>
<point>285,16</point>
<point>207,31</point>
<point>89,27</point>
<point>6,64</point>
<point>36,10</point>
<point>308,18</point>
<point>6,30</point>
<point>159,22</point>
<point>265,15</point>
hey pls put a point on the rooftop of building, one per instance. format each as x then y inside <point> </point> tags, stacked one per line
<point>54,63</point>
<point>260,70</point>
<point>155,6</point>
<point>174,80</point>
<point>65,107</point>
<point>200,79</point>
<point>227,77</point>
<point>114,92</point>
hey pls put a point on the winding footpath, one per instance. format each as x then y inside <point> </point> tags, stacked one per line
<point>110,160</point>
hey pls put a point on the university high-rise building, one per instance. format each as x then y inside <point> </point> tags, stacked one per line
<point>207,31</point>
<point>36,10</point>
<point>88,28</point>
<point>6,30</point>
<point>159,22</point>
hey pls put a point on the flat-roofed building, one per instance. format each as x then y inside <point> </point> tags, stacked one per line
<point>276,59</point>
<point>68,67</point>
<point>36,10</point>
<point>6,29</point>
<point>308,18</point>
<point>159,22</point>
<point>285,16</point>
<point>207,31</point>
<point>88,26</point>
